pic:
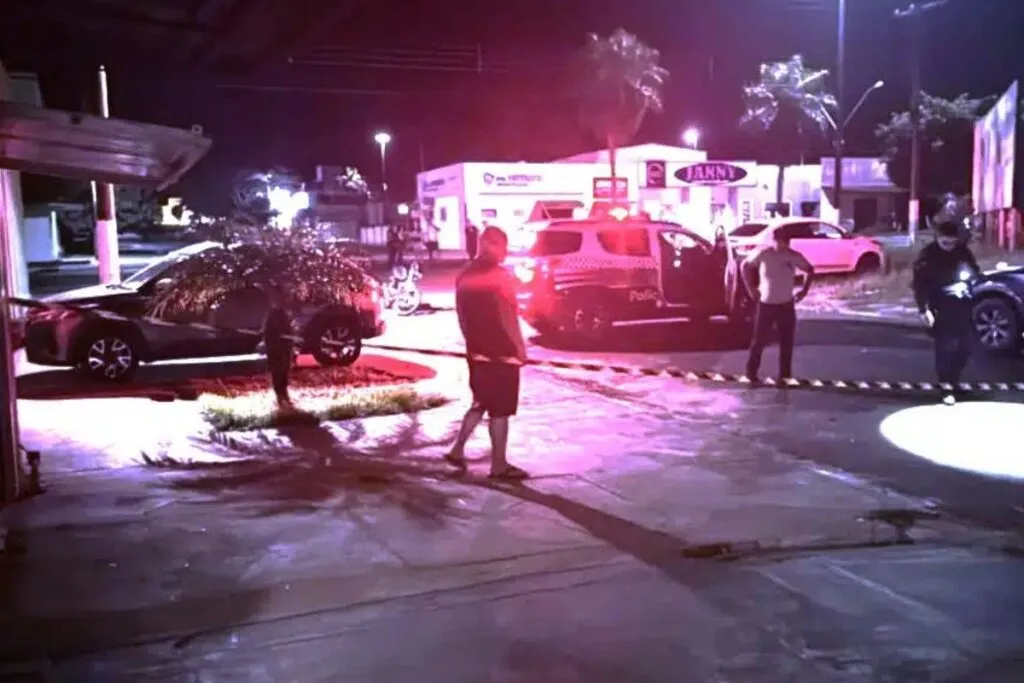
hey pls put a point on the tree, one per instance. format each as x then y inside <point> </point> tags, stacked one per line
<point>787,98</point>
<point>258,248</point>
<point>619,81</point>
<point>947,135</point>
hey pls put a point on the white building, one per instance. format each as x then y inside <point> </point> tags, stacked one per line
<point>673,183</point>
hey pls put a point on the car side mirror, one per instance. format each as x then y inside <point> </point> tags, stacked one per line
<point>163,285</point>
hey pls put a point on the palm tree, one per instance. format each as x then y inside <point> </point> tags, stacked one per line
<point>620,81</point>
<point>786,97</point>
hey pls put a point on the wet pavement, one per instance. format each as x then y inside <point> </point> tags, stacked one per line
<point>350,552</point>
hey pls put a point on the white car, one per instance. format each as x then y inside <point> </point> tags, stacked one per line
<point>829,248</point>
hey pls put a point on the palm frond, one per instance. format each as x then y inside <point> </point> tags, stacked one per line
<point>619,80</point>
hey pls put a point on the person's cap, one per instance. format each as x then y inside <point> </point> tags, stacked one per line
<point>946,229</point>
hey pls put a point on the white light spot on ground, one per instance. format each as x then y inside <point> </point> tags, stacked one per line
<point>980,437</point>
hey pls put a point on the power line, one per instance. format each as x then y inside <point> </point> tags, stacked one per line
<point>394,65</point>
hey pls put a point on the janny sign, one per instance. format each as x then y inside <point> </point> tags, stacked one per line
<point>711,173</point>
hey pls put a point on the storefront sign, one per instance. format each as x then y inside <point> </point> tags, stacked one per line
<point>715,173</point>
<point>603,188</point>
<point>512,179</point>
<point>655,174</point>
<point>438,184</point>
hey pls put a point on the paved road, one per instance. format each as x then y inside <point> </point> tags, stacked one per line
<point>348,552</point>
<point>966,457</point>
<point>973,443</point>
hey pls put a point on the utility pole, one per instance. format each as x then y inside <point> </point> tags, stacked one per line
<point>11,480</point>
<point>840,143</point>
<point>105,238</point>
<point>914,13</point>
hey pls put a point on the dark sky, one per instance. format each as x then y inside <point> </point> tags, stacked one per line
<point>411,67</point>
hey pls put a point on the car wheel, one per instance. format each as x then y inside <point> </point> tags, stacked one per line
<point>109,355</point>
<point>868,263</point>
<point>334,342</point>
<point>589,320</point>
<point>996,325</point>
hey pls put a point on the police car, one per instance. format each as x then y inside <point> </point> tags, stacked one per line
<point>582,278</point>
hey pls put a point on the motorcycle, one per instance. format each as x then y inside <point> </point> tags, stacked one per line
<point>400,291</point>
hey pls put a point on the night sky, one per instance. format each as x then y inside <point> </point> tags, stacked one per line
<point>411,67</point>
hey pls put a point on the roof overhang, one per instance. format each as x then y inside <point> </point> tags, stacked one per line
<point>86,147</point>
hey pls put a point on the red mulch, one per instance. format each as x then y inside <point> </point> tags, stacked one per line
<point>226,378</point>
<point>368,371</point>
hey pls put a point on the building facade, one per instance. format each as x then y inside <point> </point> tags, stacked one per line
<point>678,184</point>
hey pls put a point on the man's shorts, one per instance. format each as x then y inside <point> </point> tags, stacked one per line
<point>495,387</point>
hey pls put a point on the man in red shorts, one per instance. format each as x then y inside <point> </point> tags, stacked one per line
<point>485,300</point>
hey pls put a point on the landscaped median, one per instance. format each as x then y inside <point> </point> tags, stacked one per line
<point>376,385</point>
<point>887,294</point>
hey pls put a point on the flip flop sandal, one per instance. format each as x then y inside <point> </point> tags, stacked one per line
<point>510,473</point>
<point>455,461</point>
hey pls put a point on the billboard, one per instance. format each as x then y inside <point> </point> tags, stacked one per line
<point>995,154</point>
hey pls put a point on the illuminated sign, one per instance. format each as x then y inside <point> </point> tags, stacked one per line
<point>511,179</point>
<point>655,174</point>
<point>603,188</point>
<point>712,173</point>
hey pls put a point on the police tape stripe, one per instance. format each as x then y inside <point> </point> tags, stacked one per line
<point>691,376</point>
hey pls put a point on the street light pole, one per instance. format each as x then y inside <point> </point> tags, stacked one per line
<point>383,139</point>
<point>915,14</point>
<point>840,143</point>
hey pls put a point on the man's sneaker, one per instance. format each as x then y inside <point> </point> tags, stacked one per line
<point>949,399</point>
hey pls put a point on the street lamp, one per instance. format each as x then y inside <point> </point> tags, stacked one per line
<point>691,136</point>
<point>840,145</point>
<point>383,139</point>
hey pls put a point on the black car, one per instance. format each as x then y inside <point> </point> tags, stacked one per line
<point>111,349</point>
<point>999,311</point>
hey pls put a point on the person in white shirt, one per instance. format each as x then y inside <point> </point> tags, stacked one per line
<point>771,272</point>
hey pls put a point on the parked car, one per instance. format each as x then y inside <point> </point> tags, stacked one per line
<point>828,247</point>
<point>111,350</point>
<point>999,311</point>
<point>581,278</point>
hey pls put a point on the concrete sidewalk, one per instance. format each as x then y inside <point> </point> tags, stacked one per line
<point>350,553</point>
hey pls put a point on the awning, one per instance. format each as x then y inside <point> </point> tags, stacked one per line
<point>86,147</point>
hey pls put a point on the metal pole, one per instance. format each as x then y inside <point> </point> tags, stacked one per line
<point>914,209</point>
<point>10,450</point>
<point>840,144</point>
<point>106,211</point>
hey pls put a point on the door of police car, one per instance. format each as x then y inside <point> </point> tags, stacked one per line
<point>685,262</point>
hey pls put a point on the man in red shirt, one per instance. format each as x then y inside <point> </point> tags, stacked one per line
<point>485,300</point>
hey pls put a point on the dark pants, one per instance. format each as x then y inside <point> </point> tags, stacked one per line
<point>953,339</point>
<point>769,317</point>
<point>280,352</point>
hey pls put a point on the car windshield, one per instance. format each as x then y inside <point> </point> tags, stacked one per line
<point>154,269</point>
<point>749,230</point>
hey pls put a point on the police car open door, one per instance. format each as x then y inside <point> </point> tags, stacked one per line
<point>687,265</point>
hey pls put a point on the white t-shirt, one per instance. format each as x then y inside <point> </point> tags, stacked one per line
<point>776,270</point>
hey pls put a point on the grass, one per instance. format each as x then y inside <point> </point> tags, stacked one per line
<point>259,410</point>
<point>892,286</point>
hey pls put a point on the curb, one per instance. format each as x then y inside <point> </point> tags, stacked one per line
<point>848,315</point>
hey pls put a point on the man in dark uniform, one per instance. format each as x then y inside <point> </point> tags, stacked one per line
<point>485,300</point>
<point>942,289</point>
<point>279,349</point>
